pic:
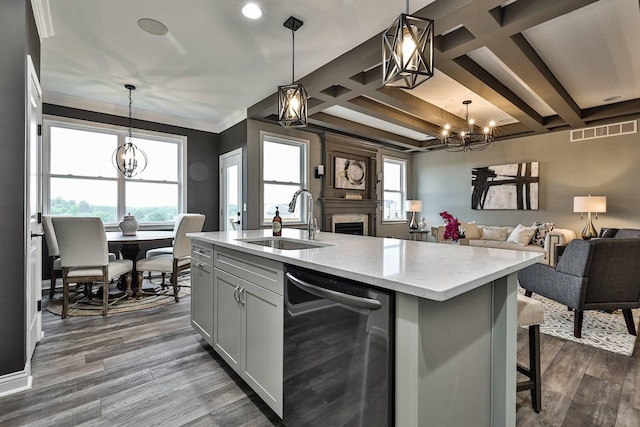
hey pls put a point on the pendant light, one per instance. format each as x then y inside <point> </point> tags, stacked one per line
<point>128,158</point>
<point>407,51</point>
<point>292,99</point>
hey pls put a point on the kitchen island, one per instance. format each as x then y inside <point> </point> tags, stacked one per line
<point>455,316</point>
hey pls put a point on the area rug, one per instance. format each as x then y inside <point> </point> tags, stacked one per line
<point>94,307</point>
<point>599,329</point>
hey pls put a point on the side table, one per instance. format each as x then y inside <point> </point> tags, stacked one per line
<point>422,235</point>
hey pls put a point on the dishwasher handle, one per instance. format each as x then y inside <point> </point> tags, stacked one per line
<point>352,300</point>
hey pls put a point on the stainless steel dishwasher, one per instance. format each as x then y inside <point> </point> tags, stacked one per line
<point>338,351</point>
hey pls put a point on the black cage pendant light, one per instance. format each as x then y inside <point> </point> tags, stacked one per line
<point>292,99</point>
<point>128,158</point>
<point>407,51</point>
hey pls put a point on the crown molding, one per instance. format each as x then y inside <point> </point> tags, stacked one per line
<point>118,110</point>
<point>42,15</point>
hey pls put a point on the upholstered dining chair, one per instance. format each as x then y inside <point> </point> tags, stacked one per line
<point>84,257</point>
<point>180,257</point>
<point>54,251</point>
<point>163,250</point>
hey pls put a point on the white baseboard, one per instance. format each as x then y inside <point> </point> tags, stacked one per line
<point>15,382</point>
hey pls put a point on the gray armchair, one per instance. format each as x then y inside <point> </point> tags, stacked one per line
<point>593,274</point>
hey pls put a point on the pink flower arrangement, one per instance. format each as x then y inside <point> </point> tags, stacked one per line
<point>452,228</point>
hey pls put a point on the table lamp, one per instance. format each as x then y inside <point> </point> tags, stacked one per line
<point>413,206</point>
<point>589,204</point>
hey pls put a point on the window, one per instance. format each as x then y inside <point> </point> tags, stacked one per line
<point>395,189</point>
<point>284,171</point>
<point>80,179</point>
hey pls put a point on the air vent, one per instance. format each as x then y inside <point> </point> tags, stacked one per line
<point>615,129</point>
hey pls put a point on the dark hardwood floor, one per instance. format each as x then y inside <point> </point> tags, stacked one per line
<point>150,368</point>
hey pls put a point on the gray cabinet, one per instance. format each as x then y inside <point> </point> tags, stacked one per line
<point>229,313</point>
<point>202,289</point>
<point>249,320</point>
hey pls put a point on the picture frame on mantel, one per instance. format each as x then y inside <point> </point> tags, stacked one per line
<point>350,174</point>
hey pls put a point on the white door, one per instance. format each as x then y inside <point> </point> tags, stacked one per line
<point>33,200</point>
<point>231,206</point>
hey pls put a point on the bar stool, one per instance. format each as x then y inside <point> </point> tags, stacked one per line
<point>531,314</point>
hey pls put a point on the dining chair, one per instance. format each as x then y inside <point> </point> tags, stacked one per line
<point>84,258</point>
<point>54,251</point>
<point>180,257</point>
<point>162,250</point>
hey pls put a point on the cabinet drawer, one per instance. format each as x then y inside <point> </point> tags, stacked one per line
<point>261,271</point>
<point>202,252</point>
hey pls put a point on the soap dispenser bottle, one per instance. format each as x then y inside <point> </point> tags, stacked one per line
<point>276,225</point>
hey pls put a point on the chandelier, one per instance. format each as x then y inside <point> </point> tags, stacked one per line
<point>128,158</point>
<point>470,137</point>
<point>407,51</point>
<point>292,99</point>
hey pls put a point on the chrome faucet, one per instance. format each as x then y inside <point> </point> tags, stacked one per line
<point>311,227</point>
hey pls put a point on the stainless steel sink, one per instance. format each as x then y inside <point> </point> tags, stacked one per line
<point>285,243</point>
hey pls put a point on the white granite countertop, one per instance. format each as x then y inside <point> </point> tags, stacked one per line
<point>428,270</point>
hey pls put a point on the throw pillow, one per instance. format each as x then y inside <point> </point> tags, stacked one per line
<point>522,235</point>
<point>494,233</point>
<point>541,232</point>
<point>471,230</point>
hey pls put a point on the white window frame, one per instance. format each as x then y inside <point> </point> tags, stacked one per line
<point>122,133</point>
<point>403,191</point>
<point>304,171</point>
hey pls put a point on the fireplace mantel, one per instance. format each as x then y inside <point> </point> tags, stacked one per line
<point>331,207</point>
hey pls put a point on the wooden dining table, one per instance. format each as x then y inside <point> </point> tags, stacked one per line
<point>129,247</point>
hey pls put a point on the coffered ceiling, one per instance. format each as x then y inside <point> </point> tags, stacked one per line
<point>532,66</point>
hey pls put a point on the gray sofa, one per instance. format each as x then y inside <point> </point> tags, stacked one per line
<point>591,274</point>
<point>619,233</point>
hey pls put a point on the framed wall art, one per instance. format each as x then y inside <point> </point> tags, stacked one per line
<point>350,174</point>
<point>512,186</point>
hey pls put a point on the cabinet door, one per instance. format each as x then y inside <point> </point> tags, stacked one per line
<point>228,318</point>
<point>202,299</point>
<point>263,331</point>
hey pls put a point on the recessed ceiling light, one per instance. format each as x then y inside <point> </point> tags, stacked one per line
<point>152,26</point>
<point>252,11</point>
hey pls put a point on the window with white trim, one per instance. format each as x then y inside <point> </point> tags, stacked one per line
<point>394,180</point>
<point>80,179</point>
<point>284,171</point>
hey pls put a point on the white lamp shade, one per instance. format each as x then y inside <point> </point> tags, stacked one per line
<point>590,204</point>
<point>413,205</point>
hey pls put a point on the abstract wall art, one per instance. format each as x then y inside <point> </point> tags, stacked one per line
<point>351,174</point>
<point>513,186</point>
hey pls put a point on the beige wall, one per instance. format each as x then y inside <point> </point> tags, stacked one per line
<point>254,130</point>
<point>602,167</point>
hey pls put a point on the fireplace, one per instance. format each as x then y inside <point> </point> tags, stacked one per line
<point>349,228</point>
<point>338,214</point>
<point>338,204</point>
